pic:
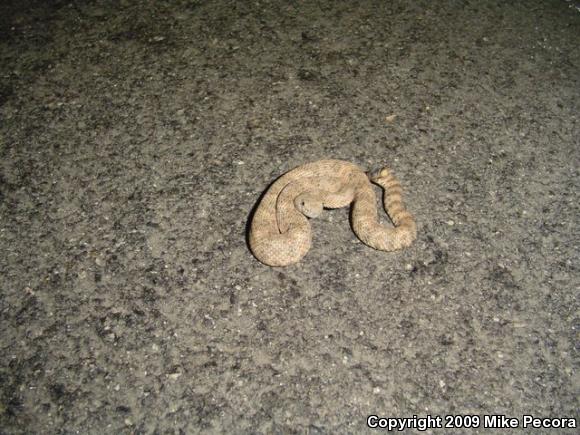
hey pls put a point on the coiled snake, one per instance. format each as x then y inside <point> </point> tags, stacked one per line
<point>280,233</point>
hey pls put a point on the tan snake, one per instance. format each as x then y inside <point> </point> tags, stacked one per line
<point>280,233</point>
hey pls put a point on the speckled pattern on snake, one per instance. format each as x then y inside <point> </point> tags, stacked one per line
<point>280,233</point>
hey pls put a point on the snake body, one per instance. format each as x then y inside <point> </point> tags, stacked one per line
<point>280,233</point>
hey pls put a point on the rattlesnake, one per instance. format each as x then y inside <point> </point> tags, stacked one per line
<point>280,234</point>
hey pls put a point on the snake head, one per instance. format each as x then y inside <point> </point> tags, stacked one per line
<point>309,205</point>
